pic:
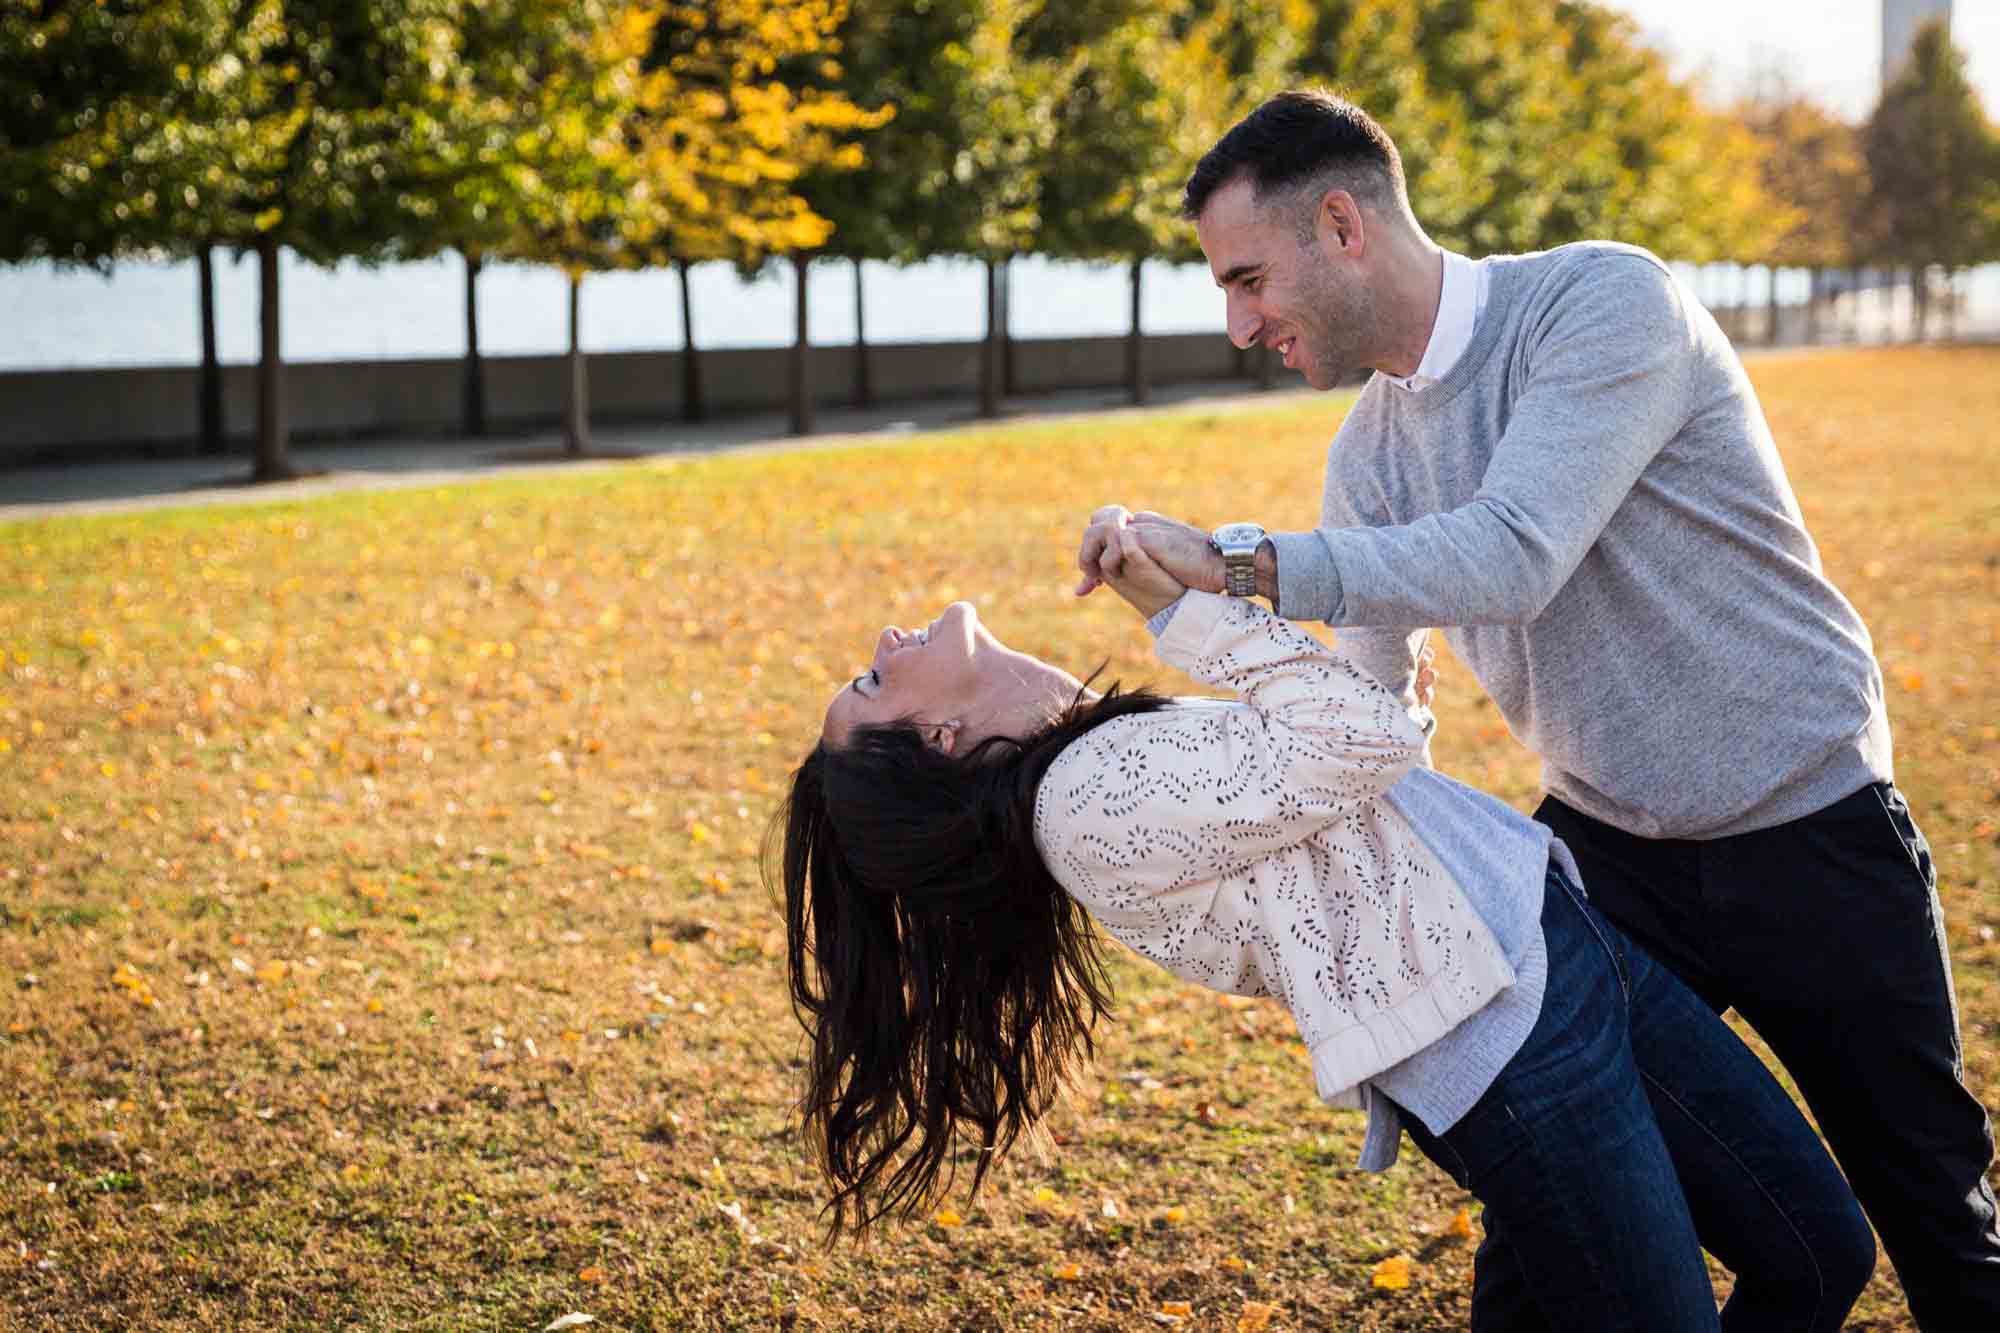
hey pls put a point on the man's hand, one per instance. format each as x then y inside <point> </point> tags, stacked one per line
<point>1426,685</point>
<point>1135,576</point>
<point>1180,550</point>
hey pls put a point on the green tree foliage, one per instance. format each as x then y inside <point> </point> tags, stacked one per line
<point>1934,166</point>
<point>1816,179</point>
<point>1813,171</point>
<point>1159,83</point>
<point>80,83</point>
<point>902,207</point>
<point>1525,125</point>
<point>668,133</point>
<point>959,167</point>
<point>258,125</point>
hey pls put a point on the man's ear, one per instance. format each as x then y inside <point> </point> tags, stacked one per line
<point>942,736</point>
<point>1339,224</point>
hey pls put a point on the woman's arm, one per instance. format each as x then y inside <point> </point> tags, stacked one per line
<point>1166,801</point>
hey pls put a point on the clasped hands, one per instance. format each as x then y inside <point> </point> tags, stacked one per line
<point>1150,560</point>
<point>1146,558</point>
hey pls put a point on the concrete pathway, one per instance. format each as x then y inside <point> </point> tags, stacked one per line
<point>119,484</point>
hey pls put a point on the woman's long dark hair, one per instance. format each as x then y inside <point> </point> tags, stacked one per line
<point>947,982</point>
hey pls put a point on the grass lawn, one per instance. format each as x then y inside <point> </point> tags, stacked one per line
<point>382,942</point>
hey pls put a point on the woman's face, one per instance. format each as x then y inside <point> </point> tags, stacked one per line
<point>953,678</point>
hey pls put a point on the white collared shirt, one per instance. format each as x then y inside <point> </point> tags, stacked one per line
<point>1460,304</point>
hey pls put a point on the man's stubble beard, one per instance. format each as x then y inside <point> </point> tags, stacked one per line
<point>1340,320</point>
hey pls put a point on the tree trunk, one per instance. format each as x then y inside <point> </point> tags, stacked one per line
<point>1135,341</point>
<point>989,347</point>
<point>474,387</point>
<point>1811,335</point>
<point>1854,305</point>
<point>802,399</point>
<point>864,390</point>
<point>273,461</point>
<point>692,406</point>
<point>1919,302</point>
<point>576,410</point>
<point>210,399</point>
<point>1009,385</point>
<point>1771,320</point>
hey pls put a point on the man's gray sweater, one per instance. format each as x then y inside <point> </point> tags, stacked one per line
<point>1590,505</point>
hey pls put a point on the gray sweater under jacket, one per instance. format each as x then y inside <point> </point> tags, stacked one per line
<point>1590,505</point>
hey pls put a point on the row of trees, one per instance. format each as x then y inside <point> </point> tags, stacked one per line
<point>595,134</point>
<point>1916,186</point>
<point>589,134</point>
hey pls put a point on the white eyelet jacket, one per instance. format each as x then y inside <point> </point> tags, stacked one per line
<point>1245,846</point>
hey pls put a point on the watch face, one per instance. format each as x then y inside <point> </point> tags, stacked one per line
<point>1235,534</point>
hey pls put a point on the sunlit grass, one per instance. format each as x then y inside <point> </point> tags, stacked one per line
<point>383,945</point>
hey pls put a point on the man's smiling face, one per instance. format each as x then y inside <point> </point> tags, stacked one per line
<point>1288,288</point>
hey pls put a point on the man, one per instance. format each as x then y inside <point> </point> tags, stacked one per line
<point>1560,460</point>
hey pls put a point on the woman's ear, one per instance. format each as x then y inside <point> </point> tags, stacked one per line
<point>942,736</point>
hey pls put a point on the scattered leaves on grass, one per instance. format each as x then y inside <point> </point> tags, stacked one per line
<point>330,727</point>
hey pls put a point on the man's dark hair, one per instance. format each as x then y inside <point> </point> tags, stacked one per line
<point>1294,139</point>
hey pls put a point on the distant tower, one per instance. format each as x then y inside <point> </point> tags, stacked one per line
<point>1900,21</point>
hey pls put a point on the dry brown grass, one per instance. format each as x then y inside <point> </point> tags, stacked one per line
<point>381,938</point>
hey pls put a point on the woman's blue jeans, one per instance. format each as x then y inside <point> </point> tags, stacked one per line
<point>1632,1130</point>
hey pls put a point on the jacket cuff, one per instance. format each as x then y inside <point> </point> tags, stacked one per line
<point>1308,581</point>
<point>1196,615</point>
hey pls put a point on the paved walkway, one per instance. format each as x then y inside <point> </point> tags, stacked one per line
<point>115,484</point>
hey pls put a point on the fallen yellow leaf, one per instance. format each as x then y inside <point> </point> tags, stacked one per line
<point>1176,1215</point>
<point>272,972</point>
<point>1178,1309</point>
<point>1460,1224</point>
<point>1393,1273</point>
<point>1235,1265</point>
<point>1256,1314</point>
<point>374,1006</point>
<point>1067,1272</point>
<point>947,1218</point>
<point>590,1274</point>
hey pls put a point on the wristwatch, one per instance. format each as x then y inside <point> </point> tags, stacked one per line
<point>1238,543</point>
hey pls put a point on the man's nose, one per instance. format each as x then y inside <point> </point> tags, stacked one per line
<point>1244,325</point>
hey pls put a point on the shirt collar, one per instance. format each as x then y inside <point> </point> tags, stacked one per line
<point>1458,310</point>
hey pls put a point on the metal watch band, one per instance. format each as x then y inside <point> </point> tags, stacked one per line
<point>1239,574</point>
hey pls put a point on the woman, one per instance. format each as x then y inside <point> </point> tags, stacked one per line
<point>968,804</point>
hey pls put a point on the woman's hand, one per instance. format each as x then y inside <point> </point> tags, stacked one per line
<point>1136,576</point>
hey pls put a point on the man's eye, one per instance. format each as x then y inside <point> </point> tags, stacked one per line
<point>875,678</point>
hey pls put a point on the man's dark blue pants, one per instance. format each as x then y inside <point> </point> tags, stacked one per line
<point>1826,935</point>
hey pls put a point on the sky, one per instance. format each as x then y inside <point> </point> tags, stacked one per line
<point>1830,50</point>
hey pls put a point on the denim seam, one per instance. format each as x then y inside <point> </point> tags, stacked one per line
<point>1757,1184</point>
<point>1617,963</point>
